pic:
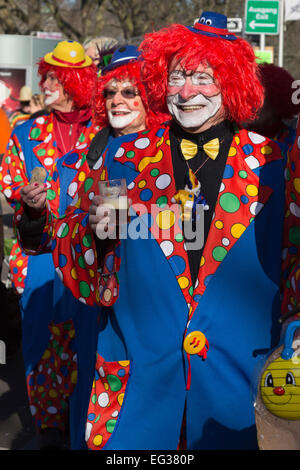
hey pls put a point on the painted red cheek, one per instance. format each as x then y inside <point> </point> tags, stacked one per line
<point>135,103</point>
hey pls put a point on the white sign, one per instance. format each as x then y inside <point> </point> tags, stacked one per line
<point>292,10</point>
<point>235,25</point>
<point>48,35</point>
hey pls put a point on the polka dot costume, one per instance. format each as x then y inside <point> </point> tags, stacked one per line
<point>38,139</point>
<point>291,242</point>
<point>52,382</point>
<point>107,396</point>
<point>13,175</point>
<point>241,198</point>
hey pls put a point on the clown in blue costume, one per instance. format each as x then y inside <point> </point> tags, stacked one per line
<point>67,176</point>
<point>180,343</point>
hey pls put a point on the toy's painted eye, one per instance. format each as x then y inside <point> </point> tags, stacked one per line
<point>208,22</point>
<point>290,379</point>
<point>202,20</point>
<point>269,380</point>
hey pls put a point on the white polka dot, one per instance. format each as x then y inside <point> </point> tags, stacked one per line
<point>298,142</point>
<point>73,53</point>
<point>7,179</point>
<point>252,162</point>
<point>98,163</point>
<point>52,410</point>
<point>81,146</point>
<point>101,371</point>
<point>115,414</point>
<point>163,181</point>
<point>103,399</point>
<point>24,271</point>
<point>225,241</point>
<point>88,430</point>
<point>256,207</point>
<point>142,143</point>
<point>89,257</point>
<point>61,229</point>
<point>40,120</point>
<point>59,273</point>
<point>120,152</point>
<point>167,247</point>
<point>256,138</point>
<point>48,161</point>
<point>131,185</point>
<point>295,209</point>
<point>222,187</point>
<point>91,195</point>
<point>72,189</point>
<point>48,138</point>
<point>33,410</point>
<point>64,356</point>
<point>7,192</point>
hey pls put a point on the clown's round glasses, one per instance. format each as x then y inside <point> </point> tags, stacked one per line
<point>178,78</point>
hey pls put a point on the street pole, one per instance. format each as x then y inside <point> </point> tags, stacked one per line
<point>262,42</point>
<point>281,33</point>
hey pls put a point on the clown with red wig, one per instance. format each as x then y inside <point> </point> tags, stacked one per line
<point>121,110</point>
<point>197,294</point>
<point>29,183</point>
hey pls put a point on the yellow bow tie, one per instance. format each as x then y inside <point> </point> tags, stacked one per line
<point>190,149</point>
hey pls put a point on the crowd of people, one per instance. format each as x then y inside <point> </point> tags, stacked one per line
<point>150,335</point>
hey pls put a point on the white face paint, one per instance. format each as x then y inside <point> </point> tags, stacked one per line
<point>122,120</point>
<point>195,112</point>
<point>51,97</point>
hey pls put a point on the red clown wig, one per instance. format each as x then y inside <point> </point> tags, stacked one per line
<point>131,72</point>
<point>78,83</point>
<point>233,63</point>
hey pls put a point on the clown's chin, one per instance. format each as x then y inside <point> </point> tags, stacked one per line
<point>120,122</point>
<point>51,98</point>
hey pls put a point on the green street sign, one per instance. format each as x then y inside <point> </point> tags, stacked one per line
<point>262,17</point>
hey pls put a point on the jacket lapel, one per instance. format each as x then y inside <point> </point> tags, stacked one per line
<point>153,191</point>
<point>241,198</point>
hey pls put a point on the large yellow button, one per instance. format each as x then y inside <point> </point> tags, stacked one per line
<point>194,342</point>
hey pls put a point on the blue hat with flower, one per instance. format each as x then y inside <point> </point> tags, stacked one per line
<point>122,56</point>
<point>212,24</point>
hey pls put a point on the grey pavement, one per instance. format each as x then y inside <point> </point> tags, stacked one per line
<point>16,424</point>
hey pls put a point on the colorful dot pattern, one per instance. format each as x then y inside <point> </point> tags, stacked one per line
<point>291,239</point>
<point>106,400</point>
<point>241,197</point>
<point>53,380</point>
<point>13,176</point>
